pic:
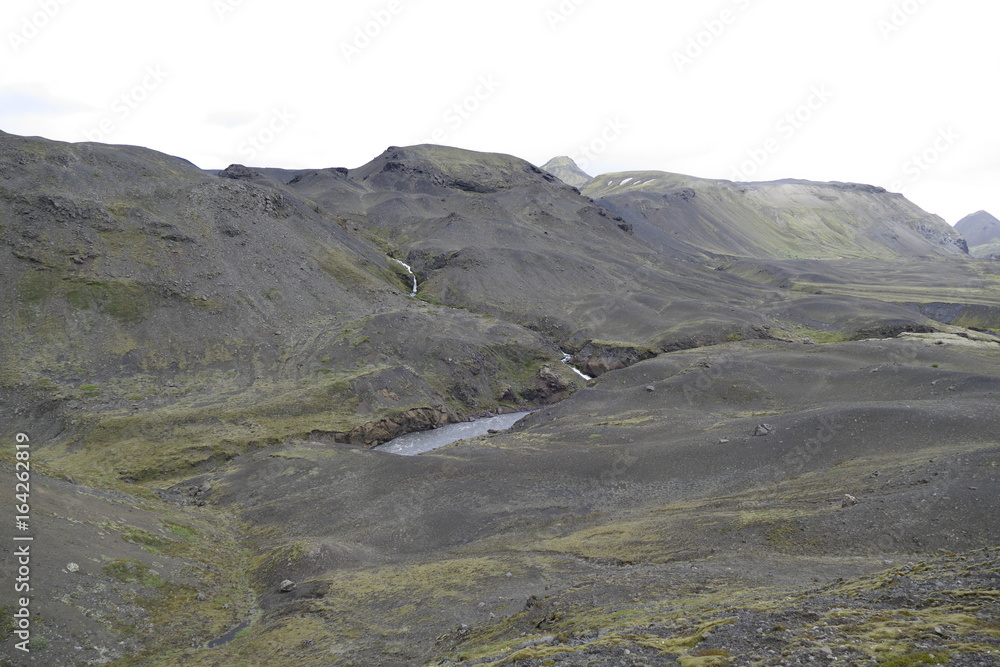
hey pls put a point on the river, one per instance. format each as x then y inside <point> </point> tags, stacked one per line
<point>412,444</point>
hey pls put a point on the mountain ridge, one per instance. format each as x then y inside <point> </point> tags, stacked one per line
<point>781,219</point>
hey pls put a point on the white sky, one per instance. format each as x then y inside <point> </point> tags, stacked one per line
<point>888,80</point>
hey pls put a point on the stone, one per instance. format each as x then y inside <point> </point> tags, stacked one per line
<point>287,586</point>
<point>849,501</point>
<point>763,429</point>
<point>72,567</point>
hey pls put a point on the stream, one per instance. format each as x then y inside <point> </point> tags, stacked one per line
<point>419,442</point>
<point>566,357</point>
<point>412,444</point>
<point>229,636</point>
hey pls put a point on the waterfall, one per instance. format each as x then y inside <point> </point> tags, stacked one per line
<point>410,271</point>
<point>569,357</point>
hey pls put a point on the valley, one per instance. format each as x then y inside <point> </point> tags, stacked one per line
<point>763,416</point>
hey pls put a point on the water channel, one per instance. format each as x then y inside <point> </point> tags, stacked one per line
<point>412,444</point>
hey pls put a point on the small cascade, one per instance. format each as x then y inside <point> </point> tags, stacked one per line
<point>568,358</point>
<point>410,271</point>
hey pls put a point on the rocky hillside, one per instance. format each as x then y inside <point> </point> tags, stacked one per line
<point>787,451</point>
<point>148,299</point>
<point>982,231</point>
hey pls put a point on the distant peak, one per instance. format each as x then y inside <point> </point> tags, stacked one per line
<point>568,171</point>
<point>981,218</point>
<point>979,228</point>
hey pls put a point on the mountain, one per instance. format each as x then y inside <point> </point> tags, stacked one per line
<point>793,411</point>
<point>982,231</point>
<point>776,220</point>
<point>822,238</point>
<point>566,170</point>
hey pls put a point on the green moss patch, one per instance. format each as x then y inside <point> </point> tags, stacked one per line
<point>132,571</point>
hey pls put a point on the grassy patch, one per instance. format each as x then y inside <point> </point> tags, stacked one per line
<point>818,335</point>
<point>214,427</point>
<point>182,531</point>
<point>914,659</point>
<point>132,571</point>
<point>7,624</point>
<point>39,285</point>
<point>338,264</point>
<point>123,300</point>
<point>39,643</point>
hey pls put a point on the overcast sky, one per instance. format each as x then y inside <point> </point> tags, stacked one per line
<point>897,93</point>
